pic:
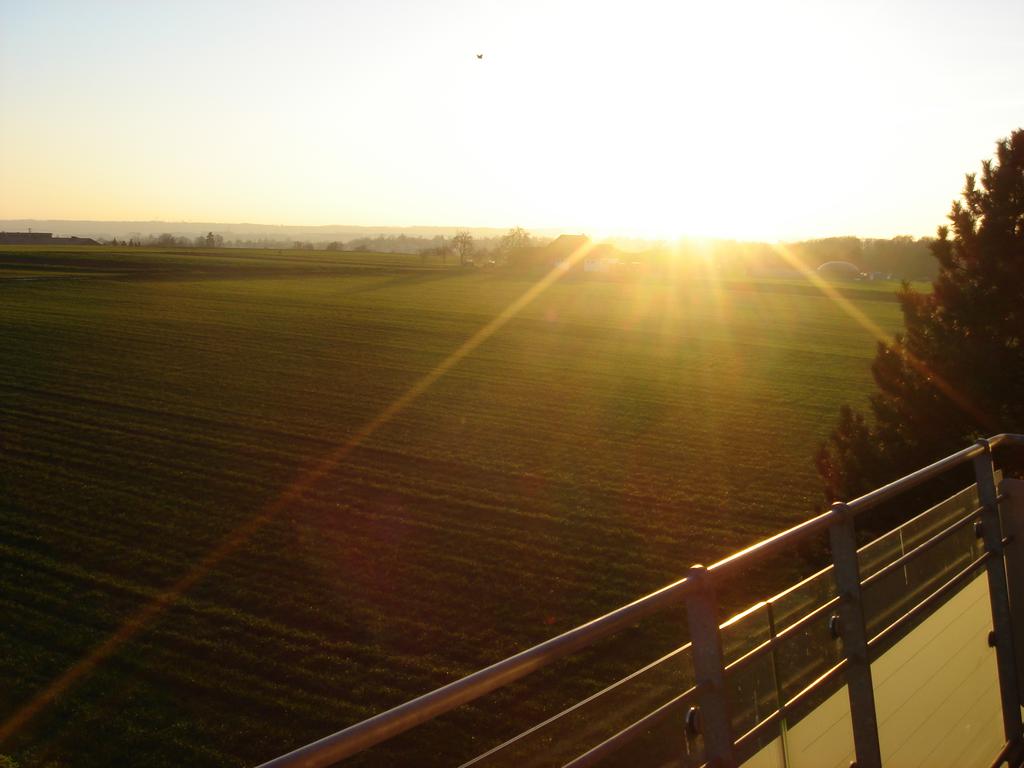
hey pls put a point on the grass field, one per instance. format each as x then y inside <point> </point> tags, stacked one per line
<point>607,437</point>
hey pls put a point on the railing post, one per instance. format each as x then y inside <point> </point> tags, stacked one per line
<point>709,669</point>
<point>854,634</point>
<point>995,567</point>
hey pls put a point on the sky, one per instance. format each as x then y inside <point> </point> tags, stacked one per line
<point>748,120</point>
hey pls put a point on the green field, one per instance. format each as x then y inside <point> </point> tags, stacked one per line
<point>607,437</point>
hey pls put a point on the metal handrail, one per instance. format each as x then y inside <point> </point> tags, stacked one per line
<point>631,732</point>
<point>386,725</point>
<point>631,677</point>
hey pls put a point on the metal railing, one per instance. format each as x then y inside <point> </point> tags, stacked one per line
<point>707,702</point>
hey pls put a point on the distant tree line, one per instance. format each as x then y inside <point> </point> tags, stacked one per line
<point>902,257</point>
<point>898,258</point>
<point>167,240</point>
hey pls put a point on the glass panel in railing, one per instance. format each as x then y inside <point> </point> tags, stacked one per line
<point>881,596</point>
<point>668,743</point>
<point>877,554</point>
<point>744,632</point>
<point>890,596</point>
<point>816,730</point>
<point>806,647</point>
<point>926,525</point>
<point>565,709</point>
<point>753,704</point>
<point>936,689</point>
<point>750,679</point>
<point>884,599</point>
<point>953,554</point>
<point>656,688</point>
<point>802,598</point>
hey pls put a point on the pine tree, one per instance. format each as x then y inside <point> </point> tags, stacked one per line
<point>957,371</point>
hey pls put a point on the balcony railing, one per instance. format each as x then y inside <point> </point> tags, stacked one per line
<point>901,652</point>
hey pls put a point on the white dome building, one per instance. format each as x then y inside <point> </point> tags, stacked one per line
<point>839,270</point>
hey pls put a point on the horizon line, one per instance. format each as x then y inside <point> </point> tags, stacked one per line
<point>602,234</point>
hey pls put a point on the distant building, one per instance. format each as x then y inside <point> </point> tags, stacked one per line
<point>548,256</point>
<point>602,258</point>
<point>42,238</point>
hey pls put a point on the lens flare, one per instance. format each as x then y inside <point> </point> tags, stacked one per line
<point>241,534</point>
<point>947,389</point>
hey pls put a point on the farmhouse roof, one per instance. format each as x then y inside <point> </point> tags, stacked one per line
<point>44,238</point>
<point>564,245</point>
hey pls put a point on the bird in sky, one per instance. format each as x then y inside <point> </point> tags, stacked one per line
<point>479,55</point>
